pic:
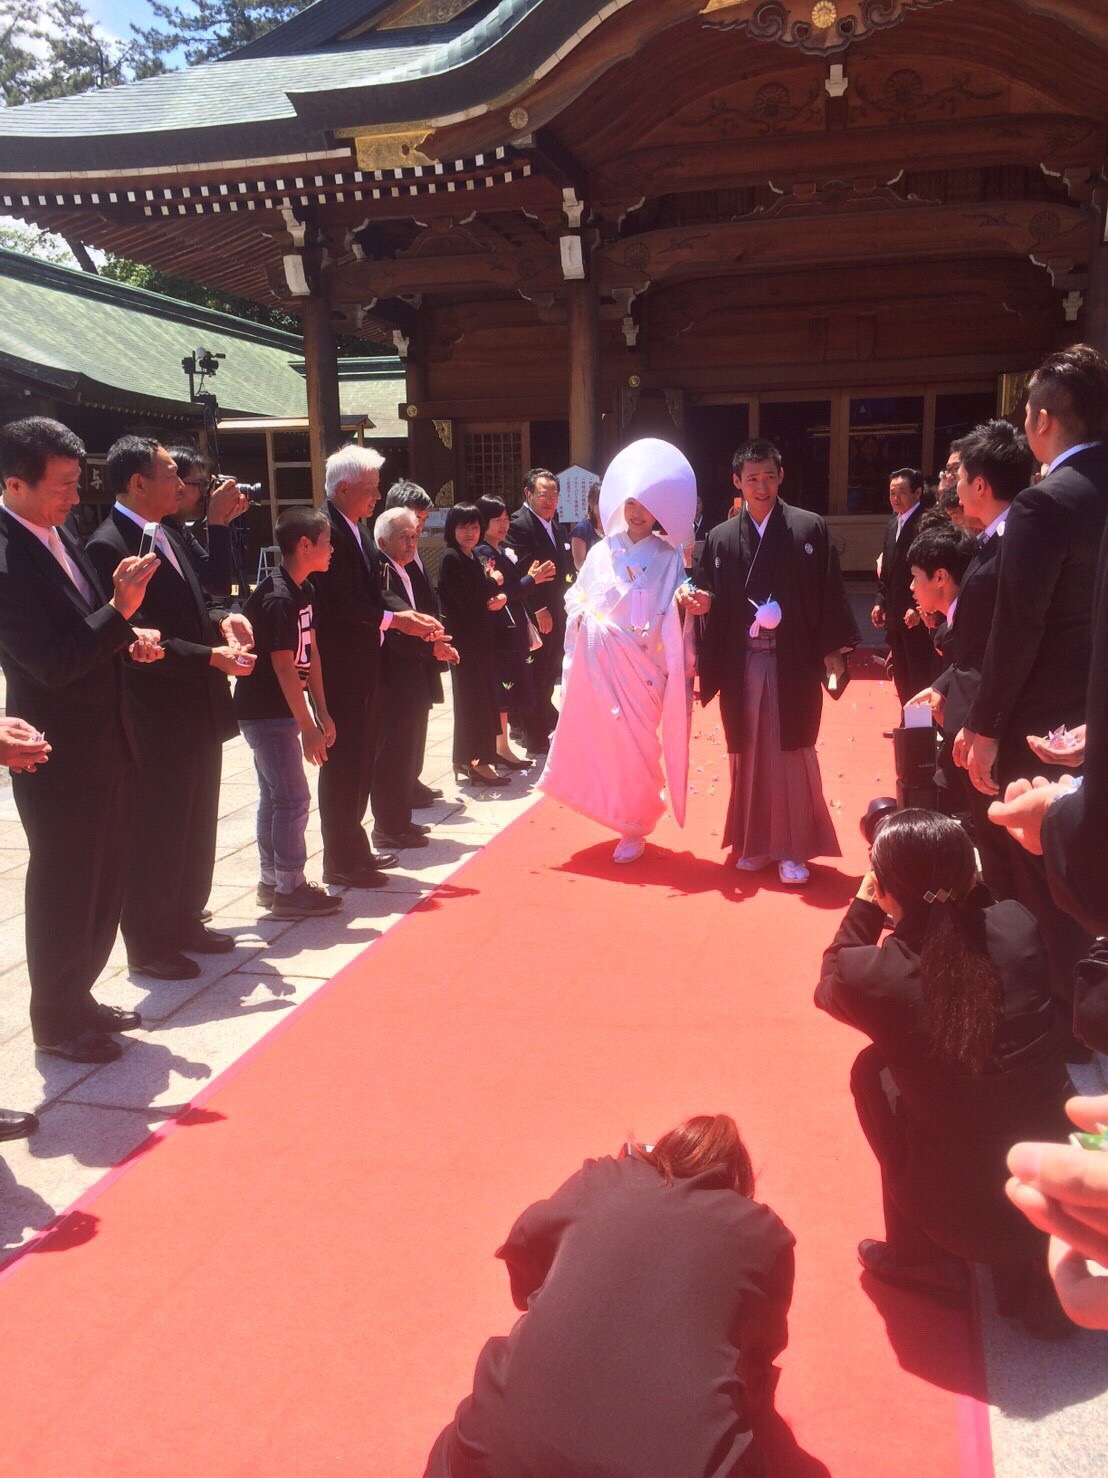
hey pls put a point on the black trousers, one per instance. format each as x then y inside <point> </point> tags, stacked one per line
<point>171,857</point>
<point>401,738</point>
<point>546,672</point>
<point>915,661</point>
<point>346,777</point>
<point>77,820</point>
<point>875,1098</point>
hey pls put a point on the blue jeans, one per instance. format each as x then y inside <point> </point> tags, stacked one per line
<point>283,799</point>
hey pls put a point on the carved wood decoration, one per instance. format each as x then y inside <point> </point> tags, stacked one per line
<point>825,26</point>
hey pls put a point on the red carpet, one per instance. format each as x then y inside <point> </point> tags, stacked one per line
<point>297,1280</point>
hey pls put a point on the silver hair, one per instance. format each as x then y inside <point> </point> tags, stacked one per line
<point>348,463</point>
<point>387,522</point>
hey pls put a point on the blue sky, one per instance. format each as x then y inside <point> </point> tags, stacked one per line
<point>116,15</point>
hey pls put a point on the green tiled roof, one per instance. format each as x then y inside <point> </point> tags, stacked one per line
<point>280,96</point>
<point>124,345</point>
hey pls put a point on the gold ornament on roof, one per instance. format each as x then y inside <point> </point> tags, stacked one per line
<point>519,118</point>
<point>824,14</point>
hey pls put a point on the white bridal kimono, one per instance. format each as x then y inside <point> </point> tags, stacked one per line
<point>628,671</point>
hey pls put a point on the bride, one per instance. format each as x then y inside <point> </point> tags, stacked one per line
<point>628,668</point>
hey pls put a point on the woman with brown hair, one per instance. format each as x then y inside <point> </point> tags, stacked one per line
<point>656,1294</point>
<point>964,1062</point>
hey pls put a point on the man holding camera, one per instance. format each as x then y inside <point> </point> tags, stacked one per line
<point>218,502</point>
<point>61,647</point>
<point>182,713</point>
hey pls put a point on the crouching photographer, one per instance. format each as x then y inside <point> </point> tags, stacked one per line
<point>964,1061</point>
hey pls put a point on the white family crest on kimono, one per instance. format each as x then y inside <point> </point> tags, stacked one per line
<point>628,661</point>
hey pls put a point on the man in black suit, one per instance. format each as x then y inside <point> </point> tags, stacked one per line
<point>183,715</point>
<point>407,494</point>
<point>995,464</point>
<point>535,534</point>
<point>914,662</point>
<point>1036,668</point>
<point>352,614</point>
<point>411,683</point>
<point>61,648</point>
<point>217,506</point>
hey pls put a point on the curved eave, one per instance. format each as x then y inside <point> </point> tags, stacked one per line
<point>81,389</point>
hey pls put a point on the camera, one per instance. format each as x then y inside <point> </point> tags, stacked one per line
<point>254,491</point>
<point>914,759</point>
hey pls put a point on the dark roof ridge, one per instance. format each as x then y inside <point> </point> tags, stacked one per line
<point>318,27</point>
<point>123,294</point>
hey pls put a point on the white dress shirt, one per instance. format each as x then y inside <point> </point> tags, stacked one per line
<point>902,518</point>
<point>386,616</point>
<point>50,539</point>
<point>163,548</point>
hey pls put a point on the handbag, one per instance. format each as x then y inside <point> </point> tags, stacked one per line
<point>534,636</point>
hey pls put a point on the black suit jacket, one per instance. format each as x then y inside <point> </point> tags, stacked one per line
<point>969,636</point>
<point>349,603</point>
<point>213,566</point>
<point>1076,827</point>
<point>182,699</point>
<point>63,661</point>
<point>1036,668</point>
<point>894,593</point>
<point>410,670</point>
<point>957,1127</point>
<point>529,541</point>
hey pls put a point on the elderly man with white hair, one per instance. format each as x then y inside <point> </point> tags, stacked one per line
<point>410,684</point>
<point>353,612</point>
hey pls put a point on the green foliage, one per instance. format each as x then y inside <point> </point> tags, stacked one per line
<point>31,242</point>
<point>206,29</point>
<point>154,281</point>
<point>51,49</point>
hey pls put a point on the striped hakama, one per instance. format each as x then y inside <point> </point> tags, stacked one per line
<point>777,808</point>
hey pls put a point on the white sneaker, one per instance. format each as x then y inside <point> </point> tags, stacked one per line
<point>794,874</point>
<point>752,864</point>
<point>629,849</point>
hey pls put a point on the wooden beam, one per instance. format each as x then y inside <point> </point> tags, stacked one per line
<point>798,234</point>
<point>322,374</point>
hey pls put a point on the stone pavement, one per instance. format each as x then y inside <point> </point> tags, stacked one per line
<point>1049,1413</point>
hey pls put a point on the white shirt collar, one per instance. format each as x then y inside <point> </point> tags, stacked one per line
<point>950,613</point>
<point>996,527</point>
<point>41,534</point>
<point>132,515</point>
<point>1070,451</point>
<point>761,527</point>
<point>902,518</point>
<point>402,572</point>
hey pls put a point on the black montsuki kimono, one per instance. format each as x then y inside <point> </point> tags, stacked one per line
<point>798,567</point>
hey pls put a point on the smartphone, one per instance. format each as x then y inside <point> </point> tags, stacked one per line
<point>146,543</point>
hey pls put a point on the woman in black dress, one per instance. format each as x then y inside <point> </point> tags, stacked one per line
<point>656,1294</point>
<point>964,1063</point>
<point>511,623</point>
<point>469,597</point>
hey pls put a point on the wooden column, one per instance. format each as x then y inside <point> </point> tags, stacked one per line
<point>584,375</point>
<point>1096,304</point>
<point>322,374</point>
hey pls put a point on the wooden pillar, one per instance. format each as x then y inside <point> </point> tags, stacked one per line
<point>1096,304</point>
<point>584,375</point>
<point>322,374</point>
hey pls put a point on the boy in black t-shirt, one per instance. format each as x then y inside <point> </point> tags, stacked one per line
<point>276,718</point>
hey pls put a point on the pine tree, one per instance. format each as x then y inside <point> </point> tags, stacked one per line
<point>206,29</point>
<point>50,49</point>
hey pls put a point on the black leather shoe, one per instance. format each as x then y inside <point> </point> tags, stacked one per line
<point>382,859</point>
<point>205,916</point>
<point>945,1278</point>
<point>401,839</point>
<point>357,877</point>
<point>174,966</point>
<point>14,1125</point>
<point>424,796</point>
<point>88,1047</point>
<point>113,1019</point>
<point>204,941</point>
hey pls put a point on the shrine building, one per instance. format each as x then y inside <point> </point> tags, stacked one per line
<point>851,226</point>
